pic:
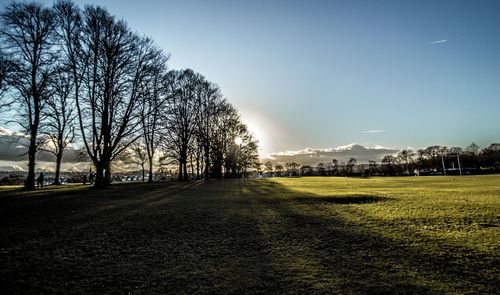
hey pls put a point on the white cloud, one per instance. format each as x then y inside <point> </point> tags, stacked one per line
<point>14,147</point>
<point>438,41</point>
<point>8,132</point>
<point>313,157</point>
<point>374,131</point>
<point>11,167</point>
<point>343,147</point>
<point>44,166</point>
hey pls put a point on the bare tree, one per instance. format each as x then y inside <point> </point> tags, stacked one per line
<point>268,166</point>
<point>321,169</point>
<point>335,168</point>
<point>209,100</point>
<point>247,151</point>
<point>279,169</point>
<point>122,92</point>
<point>350,166</point>
<point>60,117</point>
<point>115,64</point>
<point>389,162</point>
<point>406,158</point>
<point>293,168</point>
<point>372,167</point>
<point>223,138</point>
<point>154,103</point>
<point>180,115</point>
<point>6,68</point>
<point>138,156</point>
<point>27,37</point>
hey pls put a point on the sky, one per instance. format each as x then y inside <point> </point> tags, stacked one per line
<point>323,74</point>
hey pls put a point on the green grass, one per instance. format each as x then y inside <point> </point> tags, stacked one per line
<point>288,235</point>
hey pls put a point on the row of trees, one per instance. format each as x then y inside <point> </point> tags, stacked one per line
<point>472,159</point>
<point>64,69</point>
<point>432,159</point>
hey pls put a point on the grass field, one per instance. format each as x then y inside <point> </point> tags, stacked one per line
<point>414,235</point>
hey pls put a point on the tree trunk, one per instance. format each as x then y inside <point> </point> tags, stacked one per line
<point>150,179</point>
<point>186,177</point>
<point>217,168</point>
<point>207,162</point>
<point>58,166</point>
<point>192,165</point>
<point>198,155</point>
<point>99,176</point>
<point>107,173</point>
<point>180,170</point>
<point>30,180</point>
<point>143,173</point>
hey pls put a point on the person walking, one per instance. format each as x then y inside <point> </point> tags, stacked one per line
<point>39,180</point>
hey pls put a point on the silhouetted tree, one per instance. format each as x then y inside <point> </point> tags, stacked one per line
<point>223,137</point>
<point>154,101</point>
<point>115,63</point>
<point>335,168</point>
<point>209,101</point>
<point>490,156</point>
<point>27,37</point>
<point>60,115</point>
<point>293,168</point>
<point>405,157</point>
<point>139,156</point>
<point>389,162</point>
<point>279,169</point>
<point>180,115</point>
<point>268,166</point>
<point>121,92</point>
<point>321,169</point>
<point>6,68</point>
<point>247,152</point>
<point>372,167</point>
<point>351,163</point>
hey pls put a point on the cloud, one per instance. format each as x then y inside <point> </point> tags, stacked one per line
<point>44,166</point>
<point>14,147</point>
<point>313,157</point>
<point>374,131</point>
<point>11,167</point>
<point>438,41</point>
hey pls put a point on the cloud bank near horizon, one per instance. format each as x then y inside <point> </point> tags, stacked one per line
<point>313,157</point>
<point>14,148</point>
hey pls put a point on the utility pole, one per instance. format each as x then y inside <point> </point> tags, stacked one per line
<point>459,167</point>
<point>442,162</point>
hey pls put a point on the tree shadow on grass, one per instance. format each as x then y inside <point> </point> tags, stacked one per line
<point>234,236</point>
<point>194,242</point>
<point>345,200</point>
<point>367,261</point>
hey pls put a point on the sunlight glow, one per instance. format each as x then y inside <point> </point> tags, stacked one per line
<point>255,127</point>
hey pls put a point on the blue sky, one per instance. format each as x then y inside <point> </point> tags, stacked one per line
<point>323,73</point>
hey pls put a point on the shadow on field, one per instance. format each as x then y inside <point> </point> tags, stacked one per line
<point>233,236</point>
<point>326,253</point>
<point>133,239</point>
<point>324,249</point>
<point>354,199</point>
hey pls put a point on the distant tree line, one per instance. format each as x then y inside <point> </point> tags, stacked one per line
<point>455,160</point>
<point>82,76</point>
<point>433,160</point>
